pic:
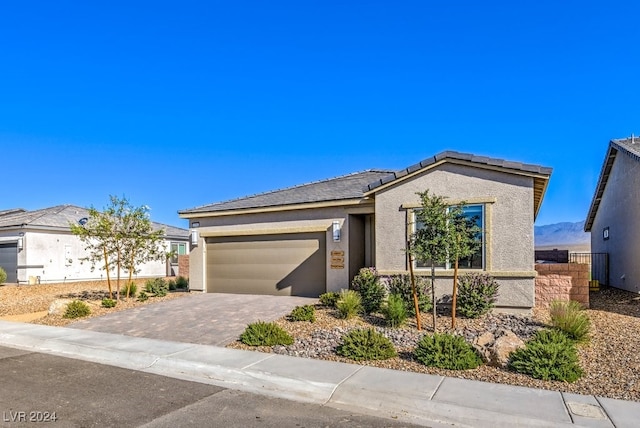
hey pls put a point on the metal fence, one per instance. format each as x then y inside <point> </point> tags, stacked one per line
<point>598,265</point>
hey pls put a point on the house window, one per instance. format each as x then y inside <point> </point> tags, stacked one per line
<point>475,213</point>
<point>177,249</point>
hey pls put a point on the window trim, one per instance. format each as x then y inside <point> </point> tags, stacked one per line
<point>174,259</point>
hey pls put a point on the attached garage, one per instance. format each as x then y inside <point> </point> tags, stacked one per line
<point>279,264</point>
<point>9,260</point>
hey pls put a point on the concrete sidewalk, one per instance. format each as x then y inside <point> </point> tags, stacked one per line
<point>413,397</point>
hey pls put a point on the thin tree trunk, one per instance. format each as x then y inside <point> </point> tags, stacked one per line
<point>454,299</point>
<point>130,273</point>
<point>433,294</point>
<point>414,291</point>
<point>118,263</point>
<point>106,266</point>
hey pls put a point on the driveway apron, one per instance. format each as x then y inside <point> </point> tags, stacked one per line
<point>208,319</point>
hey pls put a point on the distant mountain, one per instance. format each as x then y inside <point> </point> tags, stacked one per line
<point>561,235</point>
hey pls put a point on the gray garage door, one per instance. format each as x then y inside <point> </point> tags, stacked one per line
<point>287,264</point>
<point>9,260</point>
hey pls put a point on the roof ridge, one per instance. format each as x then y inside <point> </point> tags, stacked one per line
<point>297,186</point>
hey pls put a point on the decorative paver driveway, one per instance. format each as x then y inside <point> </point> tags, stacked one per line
<point>207,319</point>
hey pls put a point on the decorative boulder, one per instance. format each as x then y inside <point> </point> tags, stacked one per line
<point>503,347</point>
<point>483,344</point>
<point>59,306</point>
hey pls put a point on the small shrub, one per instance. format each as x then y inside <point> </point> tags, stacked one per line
<point>349,304</point>
<point>143,297</point>
<point>182,283</point>
<point>571,319</point>
<point>401,285</point>
<point>172,285</point>
<point>265,334</point>
<point>3,276</point>
<point>108,303</point>
<point>367,283</point>
<point>77,309</point>
<point>366,344</point>
<point>447,351</point>
<point>329,299</point>
<point>157,287</point>
<point>303,313</point>
<point>133,288</point>
<point>476,294</point>
<point>550,355</point>
<point>395,310</point>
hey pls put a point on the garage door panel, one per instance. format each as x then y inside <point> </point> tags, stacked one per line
<point>9,261</point>
<point>290,264</point>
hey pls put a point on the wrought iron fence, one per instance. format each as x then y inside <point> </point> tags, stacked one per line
<point>598,265</point>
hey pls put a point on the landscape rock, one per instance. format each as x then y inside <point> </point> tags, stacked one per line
<point>502,348</point>
<point>59,306</point>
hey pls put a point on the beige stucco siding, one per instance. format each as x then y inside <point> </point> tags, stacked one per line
<point>298,221</point>
<point>509,219</point>
<point>618,211</point>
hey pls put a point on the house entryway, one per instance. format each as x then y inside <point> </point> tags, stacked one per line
<point>9,260</point>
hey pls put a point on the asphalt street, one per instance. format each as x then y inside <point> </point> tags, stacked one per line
<point>46,390</point>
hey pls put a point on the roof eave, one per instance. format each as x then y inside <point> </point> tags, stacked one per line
<point>607,164</point>
<point>276,208</point>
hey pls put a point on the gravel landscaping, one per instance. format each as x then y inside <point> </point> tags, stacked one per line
<point>23,302</point>
<point>611,360</point>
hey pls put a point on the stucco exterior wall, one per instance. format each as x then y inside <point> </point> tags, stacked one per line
<point>509,218</point>
<point>618,211</point>
<point>337,279</point>
<point>55,257</point>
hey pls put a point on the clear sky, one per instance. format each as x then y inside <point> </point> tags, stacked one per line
<point>180,104</point>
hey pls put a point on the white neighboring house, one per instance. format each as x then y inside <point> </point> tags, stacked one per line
<point>39,246</point>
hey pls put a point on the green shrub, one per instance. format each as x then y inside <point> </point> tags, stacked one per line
<point>349,304</point>
<point>550,355</point>
<point>366,344</point>
<point>395,310</point>
<point>329,299</point>
<point>303,313</point>
<point>108,303</point>
<point>447,351</point>
<point>401,285</point>
<point>571,319</point>
<point>476,294</point>
<point>182,283</point>
<point>133,288</point>
<point>157,287</point>
<point>367,283</point>
<point>143,297</point>
<point>77,309</point>
<point>3,276</point>
<point>265,334</point>
<point>172,285</point>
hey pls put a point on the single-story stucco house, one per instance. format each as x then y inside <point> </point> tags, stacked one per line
<point>313,238</point>
<point>39,246</point>
<point>613,218</point>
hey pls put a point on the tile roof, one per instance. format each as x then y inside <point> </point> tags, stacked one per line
<point>630,147</point>
<point>60,216</point>
<point>358,185</point>
<point>334,189</point>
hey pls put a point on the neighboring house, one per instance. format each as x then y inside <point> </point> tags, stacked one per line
<point>313,238</point>
<point>38,245</point>
<point>613,218</point>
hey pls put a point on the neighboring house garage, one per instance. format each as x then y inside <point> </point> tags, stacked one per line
<point>9,260</point>
<point>280,264</point>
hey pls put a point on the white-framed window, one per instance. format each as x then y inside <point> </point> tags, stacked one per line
<point>475,212</point>
<point>177,249</point>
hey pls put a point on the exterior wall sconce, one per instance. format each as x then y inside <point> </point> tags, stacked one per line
<point>336,231</point>
<point>20,243</point>
<point>195,236</point>
<point>605,233</point>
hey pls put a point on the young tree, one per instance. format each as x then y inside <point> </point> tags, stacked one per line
<point>462,243</point>
<point>122,236</point>
<point>429,241</point>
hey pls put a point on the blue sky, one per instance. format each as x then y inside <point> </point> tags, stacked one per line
<point>179,104</point>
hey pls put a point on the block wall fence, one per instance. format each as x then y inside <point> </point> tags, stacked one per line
<point>562,281</point>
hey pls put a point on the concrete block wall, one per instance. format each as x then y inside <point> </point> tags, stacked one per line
<point>183,265</point>
<point>562,281</point>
